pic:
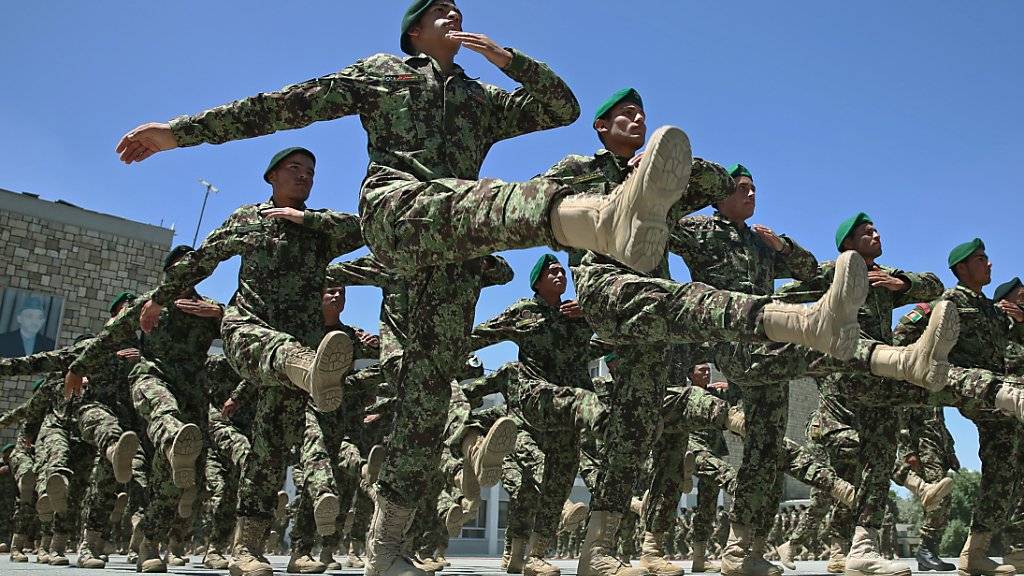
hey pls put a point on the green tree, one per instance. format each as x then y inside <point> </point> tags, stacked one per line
<point>965,490</point>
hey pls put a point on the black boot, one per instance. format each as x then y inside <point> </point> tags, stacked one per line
<point>927,559</point>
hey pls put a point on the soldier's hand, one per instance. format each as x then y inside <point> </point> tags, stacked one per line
<point>367,339</point>
<point>769,237</point>
<point>719,385</point>
<point>914,462</point>
<point>229,408</point>
<point>571,309</point>
<point>635,159</point>
<point>129,355</point>
<point>1012,310</point>
<point>483,45</point>
<point>371,418</point>
<point>146,140</point>
<point>289,214</point>
<point>73,384</point>
<point>200,308</point>
<point>883,279</point>
<point>150,316</point>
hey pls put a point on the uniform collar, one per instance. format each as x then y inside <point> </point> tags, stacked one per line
<point>718,217</point>
<point>421,60</point>
<point>605,155</point>
<point>970,292</point>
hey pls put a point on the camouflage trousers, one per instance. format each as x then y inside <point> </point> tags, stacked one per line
<point>277,429</point>
<point>22,462</point>
<point>100,423</point>
<point>52,451</point>
<point>82,460</point>
<point>627,535</point>
<point>1014,533</point>
<point>229,448</point>
<point>713,473</point>
<point>167,398</point>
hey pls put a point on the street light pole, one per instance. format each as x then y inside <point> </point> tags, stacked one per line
<point>210,188</point>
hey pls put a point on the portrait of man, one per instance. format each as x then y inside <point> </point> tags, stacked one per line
<point>29,322</point>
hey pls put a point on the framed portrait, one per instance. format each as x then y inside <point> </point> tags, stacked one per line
<point>29,321</point>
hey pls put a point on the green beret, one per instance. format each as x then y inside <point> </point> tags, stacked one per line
<point>1004,289</point>
<point>6,447</point>
<point>848,225</point>
<point>629,94</point>
<point>38,384</point>
<point>737,170</point>
<point>610,357</point>
<point>123,296</point>
<point>961,252</point>
<point>282,155</point>
<point>412,16</point>
<point>175,254</point>
<point>539,267</point>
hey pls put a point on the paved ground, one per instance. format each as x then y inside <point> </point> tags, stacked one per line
<point>460,566</point>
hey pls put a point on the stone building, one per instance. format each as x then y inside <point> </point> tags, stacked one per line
<point>76,260</point>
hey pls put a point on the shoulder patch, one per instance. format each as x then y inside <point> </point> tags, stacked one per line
<point>919,312</point>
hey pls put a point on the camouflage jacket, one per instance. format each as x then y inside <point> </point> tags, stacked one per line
<point>420,125</point>
<point>985,330</point>
<point>47,396</point>
<point>477,274</point>
<point>224,383</point>
<point>553,348</point>
<point>283,269</point>
<point>58,360</point>
<point>1015,359</point>
<point>178,345</point>
<point>729,257</point>
<point>49,392</point>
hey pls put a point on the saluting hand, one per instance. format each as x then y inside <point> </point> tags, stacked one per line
<point>230,407</point>
<point>769,237</point>
<point>483,45</point>
<point>200,308</point>
<point>150,316</point>
<point>129,355</point>
<point>883,279</point>
<point>1012,310</point>
<point>290,214</point>
<point>144,141</point>
<point>73,384</point>
<point>571,309</point>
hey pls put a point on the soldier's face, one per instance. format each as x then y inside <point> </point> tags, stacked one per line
<point>333,301</point>
<point>866,240</point>
<point>435,24</point>
<point>976,269</point>
<point>701,375</point>
<point>740,205</point>
<point>31,320</point>
<point>551,281</point>
<point>1017,296</point>
<point>624,127</point>
<point>292,178</point>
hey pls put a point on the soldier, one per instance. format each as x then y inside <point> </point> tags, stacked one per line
<point>1011,294</point>
<point>8,499</point>
<point>887,543</point>
<point>987,329</point>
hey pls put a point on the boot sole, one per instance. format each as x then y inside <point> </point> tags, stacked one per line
<point>499,442</point>
<point>374,462</point>
<point>124,452</point>
<point>44,507</point>
<point>453,521</point>
<point>235,571</point>
<point>846,295</point>
<point>57,490</point>
<point>184,451</point>
<point>325,514</point>
<point>940,495</point>
<point>946,321</point>
<point>26,486</point>
<point>333,360</point>
<point>576,516</point>
<point>665,172</point>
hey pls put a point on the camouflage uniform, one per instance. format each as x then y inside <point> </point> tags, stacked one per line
<point>548,404</point>
<point>1015,530</point>
<point>277,308</point>
<point>636,312</point>
<point>887,544</point>
<point>423,212</point>
<point>168,390</point>
<point>985,332</point>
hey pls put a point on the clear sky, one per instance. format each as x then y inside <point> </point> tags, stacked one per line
<point>910,111</point>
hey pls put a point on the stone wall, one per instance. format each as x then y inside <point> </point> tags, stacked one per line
<point>86,257</point>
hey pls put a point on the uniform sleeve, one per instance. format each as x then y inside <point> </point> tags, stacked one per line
<point>684,241</point>
<point>910,327</point>
<point>495,271</point>
<point>709,182</point>
<point>32,408</point>
<point>342,230</point>
<point>510,325</point>
<point>117,331</point>
<point>798,263</point>
<point>924,287</point>
<point>495,383</point>
<point>232,238</point>
<point>51,361</point>
<point>543,101</point>
<point>363,271</point>
<point>326,98</point>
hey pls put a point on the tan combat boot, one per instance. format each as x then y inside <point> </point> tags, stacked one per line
<point>923,363</point>
<point>182,454</point>
<point>327,557</point>
<point>830,324</point>
<point>700,560</point>
<point>599,559</point>
<point>354,555</point>
<point>736,421</point>
<point>213,558</point>
<point>573,514</point>
<point>320,374</point>
<point>325,514</point>
<point>89,551</point>
<point>1010,401</point>
<point>630,223</point>
<point>786,555</point>
<point>374,462</point>
<point>864,559</point>
<point>652,557</point>
<point>247,559</point>
<point>58,548</point>
<point>739,558</point>
<point>930,495</point>
<point>26,486</point>
<point>513,558</point>
<point>844,493</point>
<point>453,520</point>
<point>18,542</point>
<point>758,551</point>
<point>836,557</point>
<point>385,539</point>
<point>120,504</point>
<point>175,555</point>
<point>424,560</point>
<point>43,553</point>
<point>485,454</point>
<point>120,455</point>
<point>974,560</point>
<point>1015,558</point>
<point>302,562</point>
<point>535,564</point>
<point>149,561</point>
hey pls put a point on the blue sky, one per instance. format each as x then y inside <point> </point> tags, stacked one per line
<point>909,111</point>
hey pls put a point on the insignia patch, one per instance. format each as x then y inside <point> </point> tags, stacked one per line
<point>588,178</point>
<point>403,78</point>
